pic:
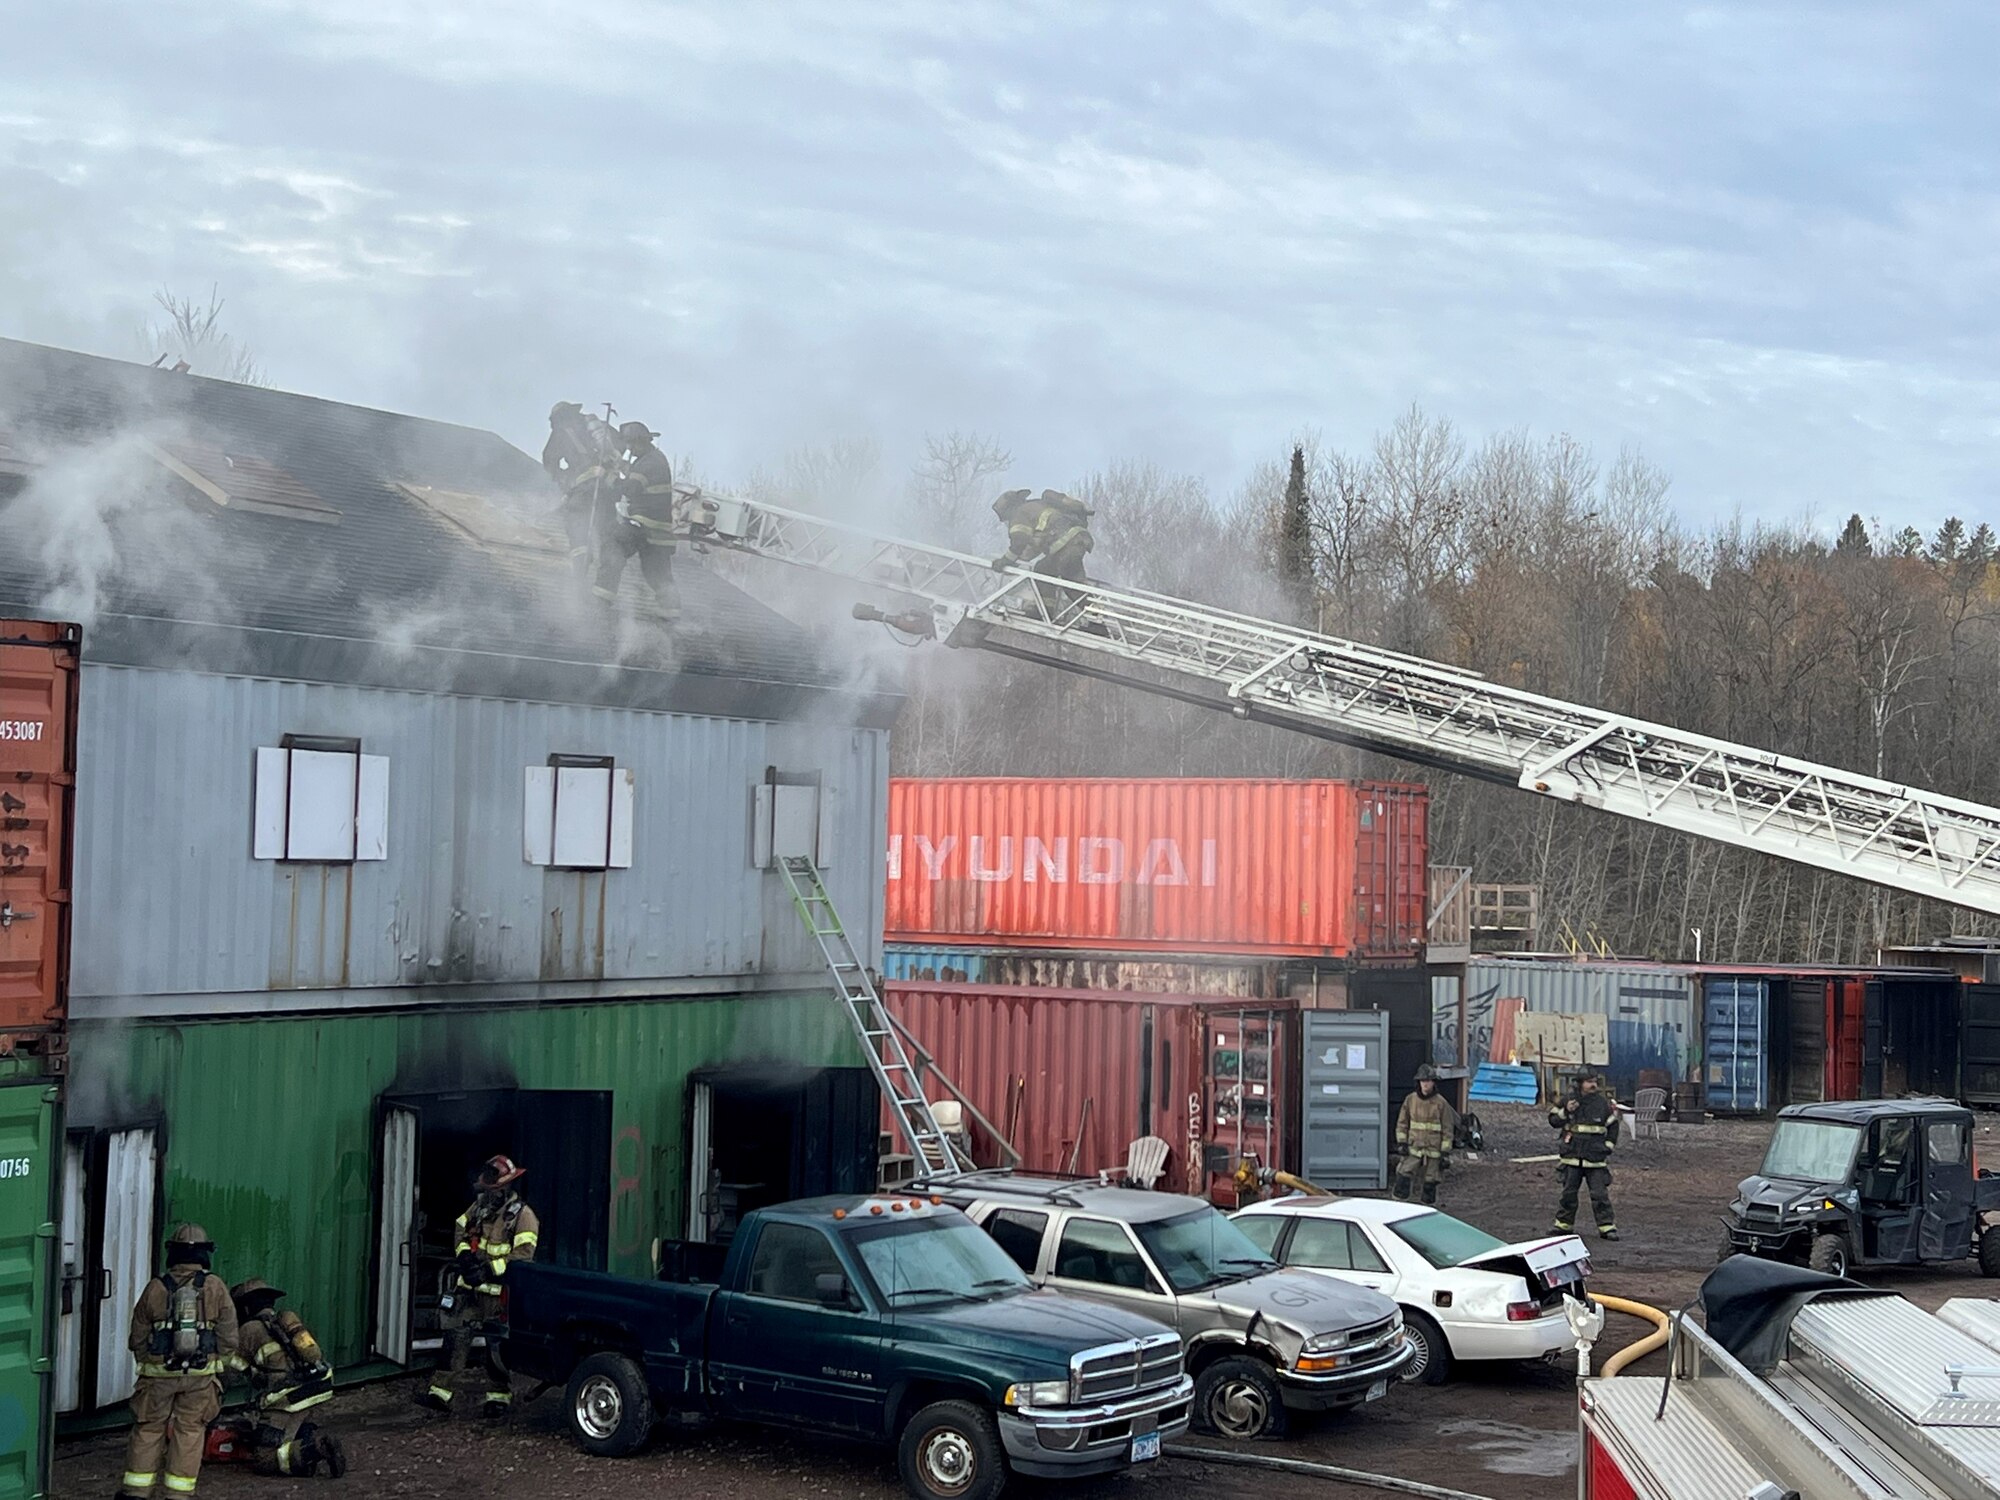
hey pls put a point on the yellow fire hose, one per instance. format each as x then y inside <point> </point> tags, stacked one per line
<point>1655,1340</point>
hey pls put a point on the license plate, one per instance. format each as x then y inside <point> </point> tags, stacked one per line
<point>1377,1391</point>
<point>1145,1447</point>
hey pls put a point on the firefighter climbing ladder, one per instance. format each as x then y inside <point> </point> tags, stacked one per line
<point>1402,706</point>
<point>937,1154</point>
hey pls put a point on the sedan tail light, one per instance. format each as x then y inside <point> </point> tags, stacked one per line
<point>1526,1312</point>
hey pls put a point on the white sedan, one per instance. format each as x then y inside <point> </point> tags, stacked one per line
<point>1464,1294</point>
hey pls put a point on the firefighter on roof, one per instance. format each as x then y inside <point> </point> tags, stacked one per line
<point>641,523</point>
<point>289,1378</point>
<point>494,1233</point>
<point>1424,1129</point>
<point>582,456</point>
<point>1588,1121</point>
<point>183,1332</point>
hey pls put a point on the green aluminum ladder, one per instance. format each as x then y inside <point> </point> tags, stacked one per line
<point>937,1155</point>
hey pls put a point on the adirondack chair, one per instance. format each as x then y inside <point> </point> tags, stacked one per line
<point>1647,1105</point>
<point>1145,1161</point>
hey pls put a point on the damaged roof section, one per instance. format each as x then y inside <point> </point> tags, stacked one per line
<point>202,524</point>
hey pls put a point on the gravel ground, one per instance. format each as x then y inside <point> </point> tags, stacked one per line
<point>1505,1432</point>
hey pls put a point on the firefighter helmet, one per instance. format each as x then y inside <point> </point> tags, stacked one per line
<point>255,1291</point>
<point>636,434</point>
<point>562,409</point>
<point>499,1171</point>
<point>189,1245</point>
<point>1009,500</point>
<point>1426,1074</point>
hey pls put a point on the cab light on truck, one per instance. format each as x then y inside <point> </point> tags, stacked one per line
<point>840,1213</point>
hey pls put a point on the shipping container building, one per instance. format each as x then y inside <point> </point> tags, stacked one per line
<point>1073,1077</point>
<point>391,852</point>
<point>1307,869</point>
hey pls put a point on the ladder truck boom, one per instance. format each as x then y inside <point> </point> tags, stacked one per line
<point>1403,706</point>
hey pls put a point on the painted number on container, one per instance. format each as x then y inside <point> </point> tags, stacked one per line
<point>21,729</point>
<point>16,1166</point>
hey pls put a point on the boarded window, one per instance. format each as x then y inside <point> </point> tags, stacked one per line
<point>792,818</point>
<point>577,814</point>
<point>322,802</point>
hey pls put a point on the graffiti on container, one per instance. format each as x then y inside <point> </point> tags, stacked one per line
<point>1194,1169</point>
<point>628,1157</point>
<point>1479,1011</point>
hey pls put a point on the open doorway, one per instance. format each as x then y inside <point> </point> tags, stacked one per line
<point>110,1238</point>
<point>764,1135</point>
<point>431,1146</point>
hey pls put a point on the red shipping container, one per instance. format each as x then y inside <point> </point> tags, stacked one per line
<point>1310,869</point>
<point>38,688</point>
<point>1054,1068</point>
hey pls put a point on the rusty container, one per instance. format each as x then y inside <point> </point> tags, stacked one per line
<point>1073,1077</point>
<point>38,697</point>
<point>1311,869</point>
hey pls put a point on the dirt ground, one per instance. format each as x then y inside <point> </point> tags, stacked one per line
<point>1503,1432</point>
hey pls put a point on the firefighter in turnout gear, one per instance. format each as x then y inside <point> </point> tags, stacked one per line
<point>183,1333</point>
<point>641,523</point>
<point>495,1232</point>
<point>1424,1130</point>
<point>1588,1121</point>
<point>289,1379</point>
<point>582,456</point>
<point>1049,533</point>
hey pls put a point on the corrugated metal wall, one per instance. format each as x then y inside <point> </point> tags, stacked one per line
<point>269,1125</point>
<point>1652,1020</point>
<point>170,903</point>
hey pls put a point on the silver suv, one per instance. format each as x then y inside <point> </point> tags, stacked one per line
<point>1261,1341</point>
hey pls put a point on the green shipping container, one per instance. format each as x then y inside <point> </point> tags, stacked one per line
<point>271,1132</point>
<point>30,1127</point>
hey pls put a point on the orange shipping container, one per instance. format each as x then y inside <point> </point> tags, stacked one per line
<point>1312,869</point>
<point>38,686</point>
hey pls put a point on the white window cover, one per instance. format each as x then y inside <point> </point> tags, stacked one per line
<point>321,806</point>
<point>578,817</point>
<point>788,820</point>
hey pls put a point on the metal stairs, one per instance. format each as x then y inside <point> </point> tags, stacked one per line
<point>938,1155</point>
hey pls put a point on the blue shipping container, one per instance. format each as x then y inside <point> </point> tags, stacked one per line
<point>906,964</point>
<point>1733,1027</point>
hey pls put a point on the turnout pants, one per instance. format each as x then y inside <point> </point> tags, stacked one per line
<point>474,1314</point>
<point>1066,563</point>
<point>1574,1177</point>
<point>170,1417</point>
<point>1423,1167</point>
<point>618,542</point>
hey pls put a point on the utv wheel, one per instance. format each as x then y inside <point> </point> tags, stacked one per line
<point>951,1451</point>
<point>1989,1251</point>
<point>610,1410</point>
<point>1829,1254</point>
<point>1724,1248</point>
<point>1239,1397</point>
<point>1432,1366</point>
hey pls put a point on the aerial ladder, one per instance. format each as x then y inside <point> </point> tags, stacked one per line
<point>1403,706</point>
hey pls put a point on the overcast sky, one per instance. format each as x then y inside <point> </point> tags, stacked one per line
<point>1758,241</point>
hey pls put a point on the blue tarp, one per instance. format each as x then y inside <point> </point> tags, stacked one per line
<point>1504,1083</point>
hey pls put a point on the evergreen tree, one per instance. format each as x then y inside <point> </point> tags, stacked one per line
<point>1980,550</point>
<point>1949,542</point>
<point>1853,539</point>
<point>1909,542</point>
<point>1295,559</point>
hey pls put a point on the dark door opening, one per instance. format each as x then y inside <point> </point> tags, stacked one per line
<point>431,1147</point>
<point>765,1135</point>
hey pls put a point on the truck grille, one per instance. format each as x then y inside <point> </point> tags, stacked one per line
<point>1113,1370</point>
<point>1761,1213</point>
<point>1371,1333</point>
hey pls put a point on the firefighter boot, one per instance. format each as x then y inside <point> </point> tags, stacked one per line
<point>497,1407</point>
<point>436,1399</point>
<point>331,1454</point>
<point>1401,1190</point>
<point>1431,1193</point>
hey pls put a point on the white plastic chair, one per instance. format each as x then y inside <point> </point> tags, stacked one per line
<point>1145,1161</point>
<point>1646,1107</point>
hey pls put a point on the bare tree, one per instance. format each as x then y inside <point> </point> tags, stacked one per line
<point>192,333</point>
<point>948,491</point>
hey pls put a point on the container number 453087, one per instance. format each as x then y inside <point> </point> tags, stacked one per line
<point>21,729</point>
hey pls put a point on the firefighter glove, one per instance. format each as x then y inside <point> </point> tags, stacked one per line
<point>471,1268</point>
<point>1004,560</point>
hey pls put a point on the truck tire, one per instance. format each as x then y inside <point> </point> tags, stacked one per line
<point>1829,1254</point>
<point>950,1450</point>
<point>610,1409</point>
<point>1432,1366</point>
<point>1724,1248</point>
<point>1989,1251</point>
<point>1239,1397</point>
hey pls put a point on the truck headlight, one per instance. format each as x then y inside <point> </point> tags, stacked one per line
<point>1320,1343</point>
<point>1038,1393</point>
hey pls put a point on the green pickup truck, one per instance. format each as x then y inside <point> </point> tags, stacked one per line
<point>887,1318</point>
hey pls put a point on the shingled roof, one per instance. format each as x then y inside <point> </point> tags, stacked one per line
<point>225,527</point>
